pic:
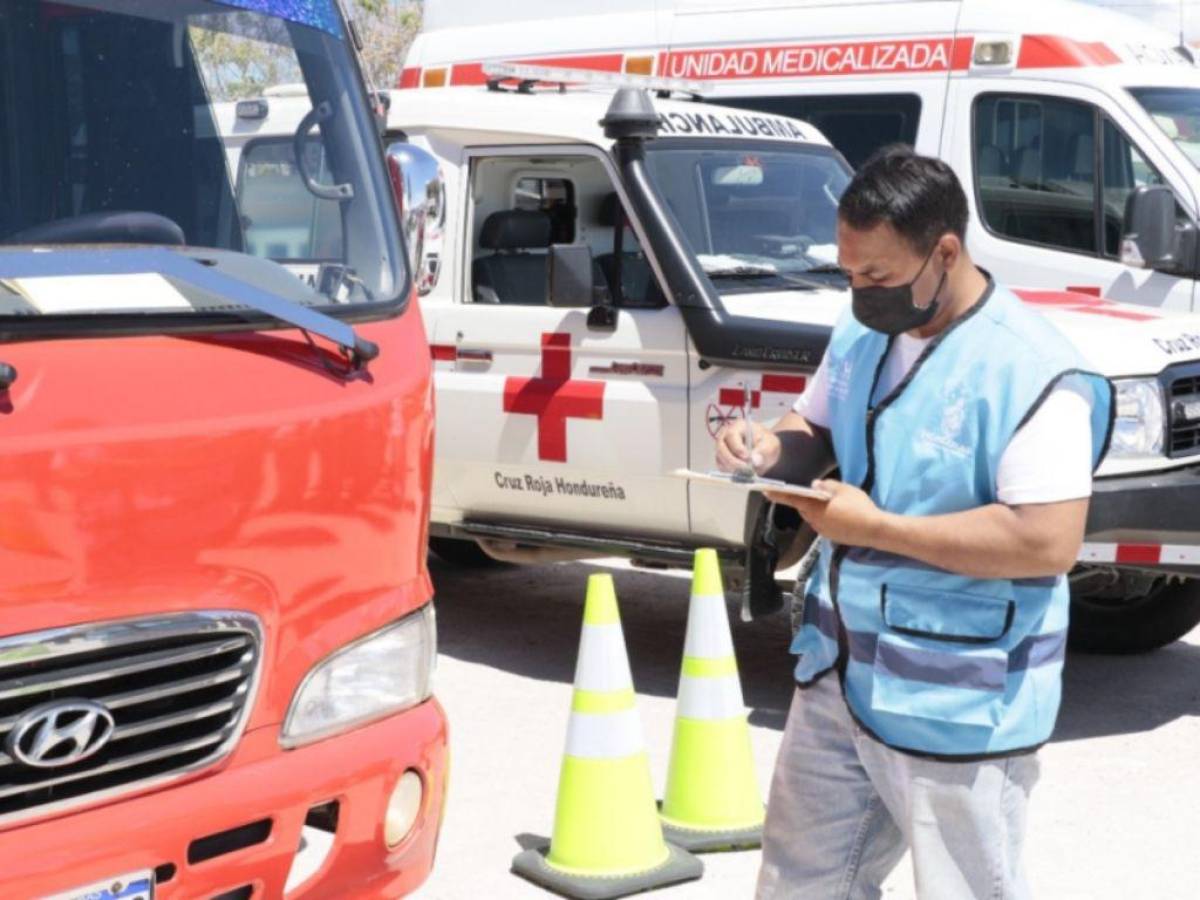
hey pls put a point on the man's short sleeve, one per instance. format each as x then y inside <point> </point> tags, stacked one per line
<point>1050,459</point>
<point>813,404</point>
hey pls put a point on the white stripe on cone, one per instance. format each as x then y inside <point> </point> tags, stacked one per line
<point>605,735</point>
<point>708,634</point>
<point>710,698</point>
<point>602,663</point>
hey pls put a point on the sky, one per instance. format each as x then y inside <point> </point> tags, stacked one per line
<point>1164,13</point>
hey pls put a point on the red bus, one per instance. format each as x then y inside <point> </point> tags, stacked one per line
<point>216,632</point>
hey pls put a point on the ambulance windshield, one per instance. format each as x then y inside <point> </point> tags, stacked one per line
<point>1177,112</point>
<point>755,217</point>
<point>125,122</point>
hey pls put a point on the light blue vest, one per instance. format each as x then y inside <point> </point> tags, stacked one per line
<point>932,662</point>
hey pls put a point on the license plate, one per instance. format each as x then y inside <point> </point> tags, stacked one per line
<point>135,886</point>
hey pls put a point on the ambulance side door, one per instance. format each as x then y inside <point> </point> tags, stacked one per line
<point>1047,167</point>
<point>542,419</point>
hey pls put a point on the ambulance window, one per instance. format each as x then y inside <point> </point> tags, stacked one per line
<point>553,196</point>
<point>281,219</point>
<point>1124,169</point>
<point>857,124</point>
<point>1035,164</point>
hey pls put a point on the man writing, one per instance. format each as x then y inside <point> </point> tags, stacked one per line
<point>965,429</point>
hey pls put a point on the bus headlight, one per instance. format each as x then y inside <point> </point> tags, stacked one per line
<point>378,675</point>
<point>1141,419</point>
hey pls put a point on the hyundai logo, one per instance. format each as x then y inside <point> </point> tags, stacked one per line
<point>60,733</point>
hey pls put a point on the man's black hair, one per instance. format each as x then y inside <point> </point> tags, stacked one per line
<point>919,196</point>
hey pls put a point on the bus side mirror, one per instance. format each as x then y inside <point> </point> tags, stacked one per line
<point>419,191</point>
<point>1149,239</point>
<point>569,273</point>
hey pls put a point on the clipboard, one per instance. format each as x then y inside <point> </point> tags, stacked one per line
<point>758,484</point>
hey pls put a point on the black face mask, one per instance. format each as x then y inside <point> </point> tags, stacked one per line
<point>891,309</point>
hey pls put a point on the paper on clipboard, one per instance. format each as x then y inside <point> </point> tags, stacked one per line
<point>758,484</point>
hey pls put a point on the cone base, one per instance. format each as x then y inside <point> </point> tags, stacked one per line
<point>712,841</point>
<point>532,865</point>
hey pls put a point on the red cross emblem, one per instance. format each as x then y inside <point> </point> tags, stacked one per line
<point>553,397</point>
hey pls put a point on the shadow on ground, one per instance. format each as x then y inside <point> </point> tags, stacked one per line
<point>1109,695</point>
<point>525,620</point>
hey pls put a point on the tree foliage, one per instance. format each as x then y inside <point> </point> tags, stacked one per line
<point>387,27</point>
<point>243,53</point>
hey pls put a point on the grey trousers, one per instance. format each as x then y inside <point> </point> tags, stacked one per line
<point>843,809</point>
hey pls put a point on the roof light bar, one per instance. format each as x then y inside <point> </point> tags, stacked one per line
<point>593,78</point>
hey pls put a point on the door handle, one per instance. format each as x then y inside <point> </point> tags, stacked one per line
<point>475,356</point>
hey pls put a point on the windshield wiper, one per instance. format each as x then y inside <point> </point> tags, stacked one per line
<point>755,274</point>
<point>46,264</point>
<point>747,273</point>
<point>824,269</point>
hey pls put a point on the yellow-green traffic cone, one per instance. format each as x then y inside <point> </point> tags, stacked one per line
<point>712,801</point>
<point>607,839</point>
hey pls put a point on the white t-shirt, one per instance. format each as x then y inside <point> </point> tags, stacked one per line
<point>1048,460</point>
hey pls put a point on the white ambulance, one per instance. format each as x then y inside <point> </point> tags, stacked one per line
<point>1051,112</point>
<point>606,285</point>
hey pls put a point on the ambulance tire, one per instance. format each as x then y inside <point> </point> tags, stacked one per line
<point>1163,616</point>
<point>464,554</point>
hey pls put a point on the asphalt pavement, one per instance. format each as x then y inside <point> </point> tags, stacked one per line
<point>1115,815</point>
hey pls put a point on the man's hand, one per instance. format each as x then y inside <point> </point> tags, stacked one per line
<point>849,517</point>
<point>733,454</point>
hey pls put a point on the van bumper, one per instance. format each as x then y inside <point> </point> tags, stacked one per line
<point>1146,522</point>
<point>358,769</point>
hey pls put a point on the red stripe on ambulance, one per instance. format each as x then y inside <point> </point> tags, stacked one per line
<point>784,384</point>
<point>736,397</point>
<point>1085,303</point>
<point>812,60</point>
<point>1141,554</point>
<point>1049,51</point>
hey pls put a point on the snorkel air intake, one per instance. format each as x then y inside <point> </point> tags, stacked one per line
<point>738,341</point>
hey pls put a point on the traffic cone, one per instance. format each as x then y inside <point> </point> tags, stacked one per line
<point>607,839</point>
<point>712,801</point>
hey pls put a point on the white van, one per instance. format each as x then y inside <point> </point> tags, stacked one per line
<point>1051,112</point>
<point>604,287</point>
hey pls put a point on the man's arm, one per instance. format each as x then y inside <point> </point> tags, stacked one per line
<point>806,452</point>
<point>795,450</point>
<point>993,541</point>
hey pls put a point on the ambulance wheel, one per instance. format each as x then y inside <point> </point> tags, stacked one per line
<point>1164,613</point>
<point>466,554</point>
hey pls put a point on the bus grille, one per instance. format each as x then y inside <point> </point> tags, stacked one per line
<point>95,711</point>
<point>1183,411</point>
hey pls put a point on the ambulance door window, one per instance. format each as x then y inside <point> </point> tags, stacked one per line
<point>1035,170</point>
<point>553,196</point>
<point>624,265</point>
<point>857,124</point>
<point>281,218</point>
